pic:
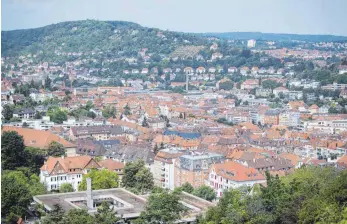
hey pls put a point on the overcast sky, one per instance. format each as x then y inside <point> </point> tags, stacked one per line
<point>272,16</point>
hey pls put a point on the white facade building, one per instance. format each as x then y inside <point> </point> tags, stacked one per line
<point>232,175</point>
<point>164,168</point>
<point>59,170</point>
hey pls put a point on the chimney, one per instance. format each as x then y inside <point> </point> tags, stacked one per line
<point>90,202</point>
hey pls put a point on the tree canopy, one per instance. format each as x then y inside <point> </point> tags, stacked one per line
<point>101,179</point>
<point>109,111</point>
<point>270,84</point>
<point>65,187</point>
<point>55,149</point>
<point>309,195</point>
<point>137,177</point>
<point>162,207</point>
<point>205,192</point>
<point>12,151</point>
<point>105,214</point>
<point>15,196</point>
<point>57,115</point>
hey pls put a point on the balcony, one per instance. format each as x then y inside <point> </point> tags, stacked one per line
<point>163,169</point>
<point>162,179</point>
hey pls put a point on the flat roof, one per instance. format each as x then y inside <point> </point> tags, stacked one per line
<point>136,203</point>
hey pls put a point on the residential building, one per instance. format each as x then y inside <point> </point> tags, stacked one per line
<point>289,118</point>
<point>272,117</point>
<point>216,56</point>
<point>38,138</point>
<point>193,168</point>
<point>163,168</point>
<point>335,86</point>
<point>231,175</point>
<point>112,165</point>
<point>24,113</point>
<point>260,92</point>
<point>342,69</point>
<point>59,170</point>
<point>280,90</point>
<point>250,84</point>
<point>131,152</point>
<point>96,132</point>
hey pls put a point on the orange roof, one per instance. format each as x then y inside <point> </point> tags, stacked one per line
<point>292,157</point>
<point>111,165</point>
<point>77,162</point>
<point>167,157</point>
<point>250,126</point>
<point>342,161</point>
<point>38,138</point>
<point>237,172</point>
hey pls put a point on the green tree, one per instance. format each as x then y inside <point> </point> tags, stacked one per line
<point>101,179</point>
<point>105,214</point>
<point>144,180</point>
<point>57,115</point>
<point>162,208</point>
<point>109,111</point>
<point>79,216</point>
<point>12,151</point>
<point>89,105</point>
<point>137,176</point>
<point>91,114</point>
<point>205,192</point>
<point>7,112</point>
<point>15,196</point>
<point>127,110</point>
<point>269,84</point>
<point>66,187</point>
<point>187,187</point>
<point>227,85</point>
<point>35,158</point>
<point>55,149</point>
<point>56,216</point>
<point>145,122</point>
<point>31,181</point>
<point>48,83</point>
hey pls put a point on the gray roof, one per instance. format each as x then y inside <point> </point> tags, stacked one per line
<point>272,112</point>
<point>89,147</point>
<point>131,152</point>
<point>137,203</point>
<point>267,163</point>
<point>105,129</point>
<point>23,111</point>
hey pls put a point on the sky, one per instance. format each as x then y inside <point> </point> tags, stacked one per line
<point>270,16</point>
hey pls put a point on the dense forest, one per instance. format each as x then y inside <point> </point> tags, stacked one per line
<point>92,35</point>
